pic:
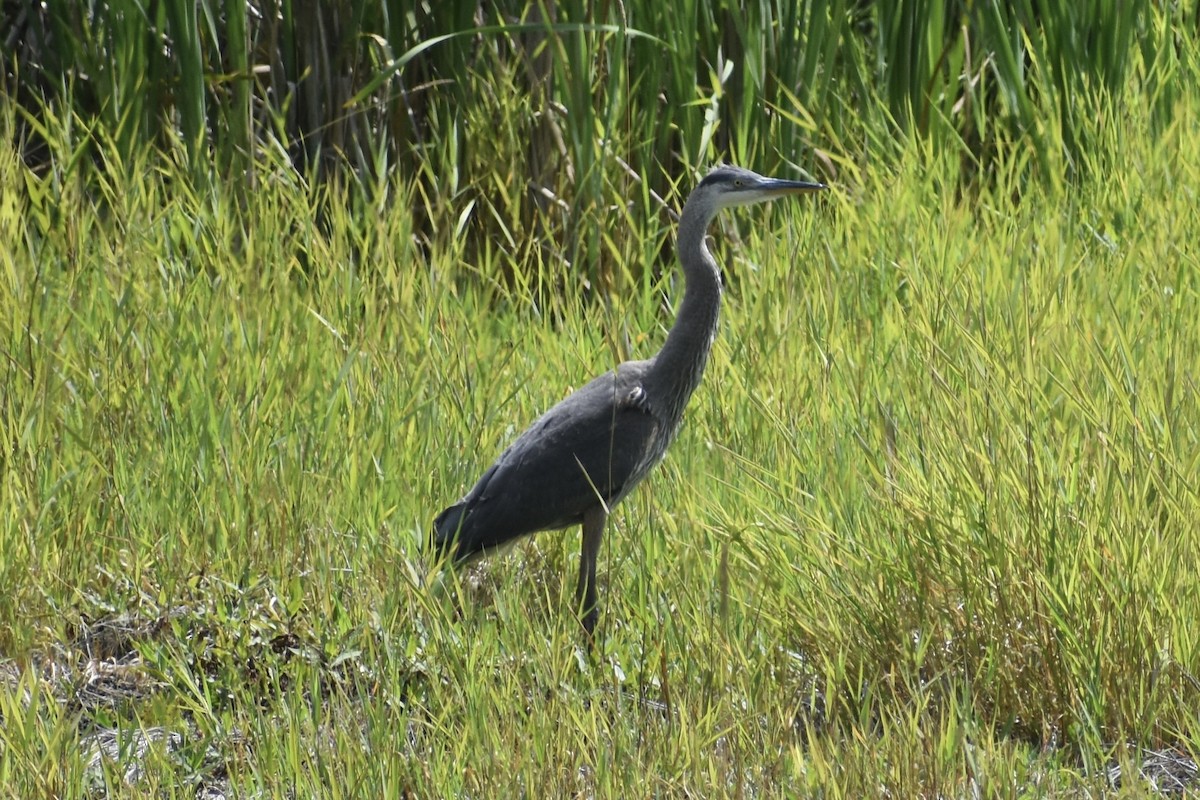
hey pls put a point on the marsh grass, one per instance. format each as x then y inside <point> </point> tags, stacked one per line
<point>930,529</point>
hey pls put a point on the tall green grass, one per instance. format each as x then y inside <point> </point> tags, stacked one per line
<point>533,115</point>
<point>928,530</point>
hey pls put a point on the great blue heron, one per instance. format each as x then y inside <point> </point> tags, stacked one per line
<point>583,456</point>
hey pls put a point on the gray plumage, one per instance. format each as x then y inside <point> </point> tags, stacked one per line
<point>584,455</point>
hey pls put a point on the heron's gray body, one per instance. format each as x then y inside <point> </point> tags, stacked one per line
<point>597,443</point>
<point>585,454</point>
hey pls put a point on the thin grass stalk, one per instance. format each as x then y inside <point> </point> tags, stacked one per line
<point>237,140</point>
<point>190,93</point>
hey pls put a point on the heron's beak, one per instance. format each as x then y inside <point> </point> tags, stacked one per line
<point>777,187</point>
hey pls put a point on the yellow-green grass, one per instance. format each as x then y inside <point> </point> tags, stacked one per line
<point>930,528</point>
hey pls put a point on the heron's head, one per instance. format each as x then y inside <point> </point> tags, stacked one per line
<point>727,186</point>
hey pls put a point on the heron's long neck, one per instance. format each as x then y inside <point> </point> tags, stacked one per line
<point>679,366</point>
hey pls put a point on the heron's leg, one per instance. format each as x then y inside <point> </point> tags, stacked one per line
<point>585,595</point>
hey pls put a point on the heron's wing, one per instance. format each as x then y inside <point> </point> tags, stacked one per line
<point>590,448</point>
